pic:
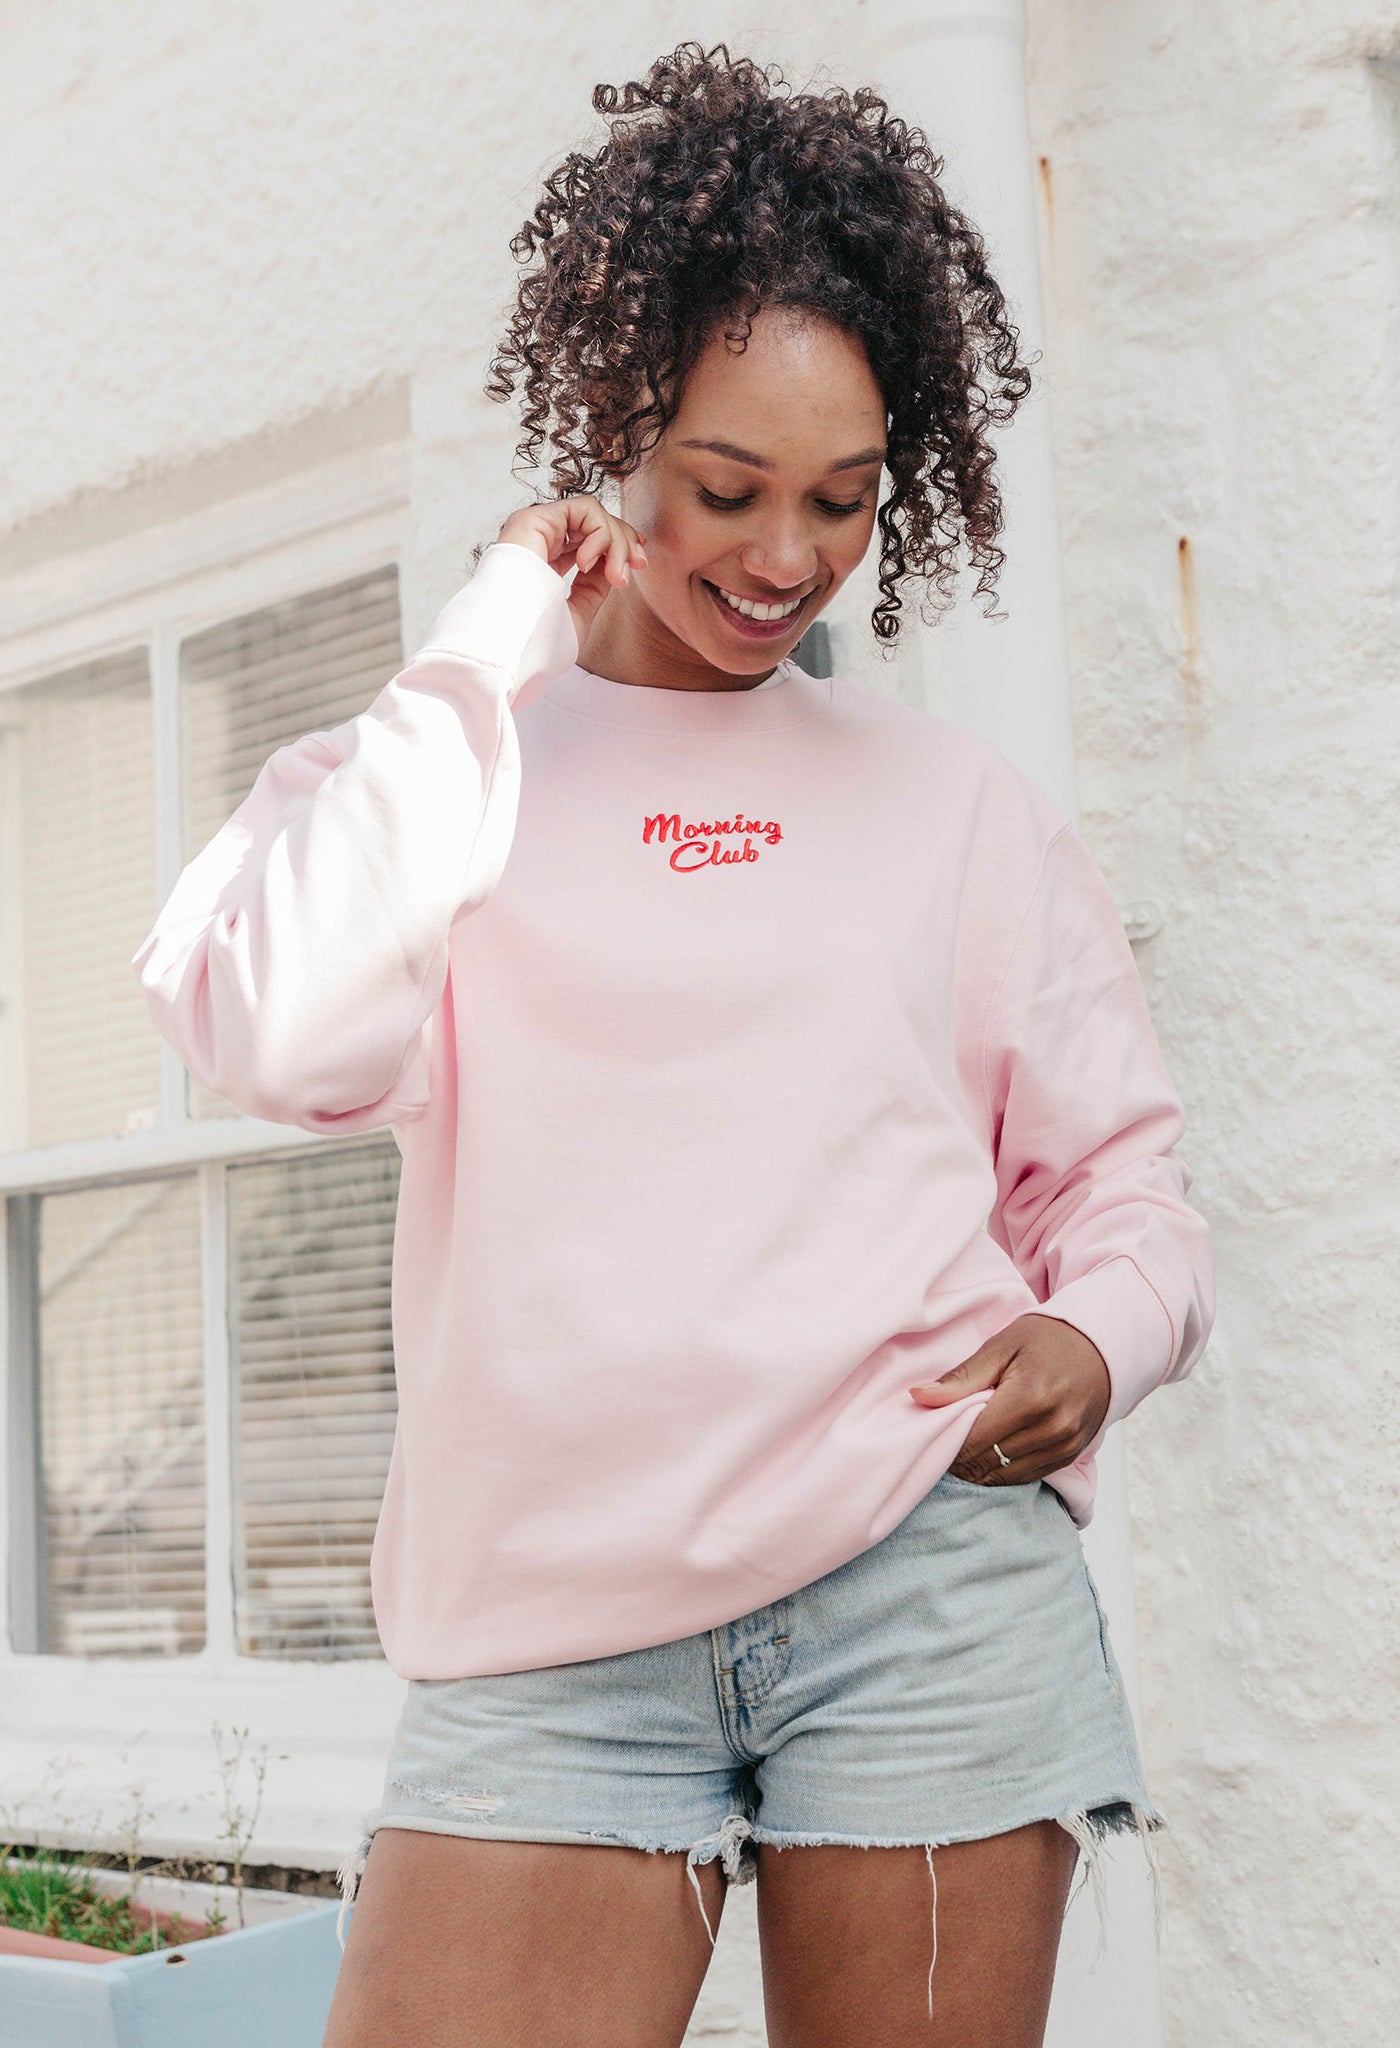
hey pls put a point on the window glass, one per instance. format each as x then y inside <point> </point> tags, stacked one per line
<point>313,1394</point>
<point>77,864</point>
<point>121,1420</point>
<point>256,683</point>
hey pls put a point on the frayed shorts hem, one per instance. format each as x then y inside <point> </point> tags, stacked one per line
<point>733,1844</point>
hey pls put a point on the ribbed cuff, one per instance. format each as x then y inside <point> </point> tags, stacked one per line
<point>1120,1312</point>
<point>512,615</point>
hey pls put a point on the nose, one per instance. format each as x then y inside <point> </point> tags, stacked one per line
<point>783,558</point>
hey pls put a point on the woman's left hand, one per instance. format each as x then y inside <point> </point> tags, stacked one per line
<point>1052,1393</point>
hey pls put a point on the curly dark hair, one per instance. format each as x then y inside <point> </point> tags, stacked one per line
<point>720,191</point>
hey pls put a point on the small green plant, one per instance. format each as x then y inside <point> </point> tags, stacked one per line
<point>41,1895</point>
<point>239,1824</point>
<point>45,1891</point>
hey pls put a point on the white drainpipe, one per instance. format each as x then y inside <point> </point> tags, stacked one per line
<point>956,68</point>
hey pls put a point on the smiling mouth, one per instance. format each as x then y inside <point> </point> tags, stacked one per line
<point>754,619</point>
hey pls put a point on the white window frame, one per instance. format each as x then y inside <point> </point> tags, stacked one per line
<point>324,1722</point>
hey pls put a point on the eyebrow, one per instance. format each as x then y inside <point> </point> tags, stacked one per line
<point>736,454</point>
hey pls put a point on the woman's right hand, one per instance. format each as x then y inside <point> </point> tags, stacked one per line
<point>579,533</point>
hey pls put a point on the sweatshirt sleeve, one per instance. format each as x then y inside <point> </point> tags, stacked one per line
<point>1091,1194</point>
<point>298,960</point>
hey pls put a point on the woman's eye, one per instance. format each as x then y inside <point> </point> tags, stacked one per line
<point>737,504</point>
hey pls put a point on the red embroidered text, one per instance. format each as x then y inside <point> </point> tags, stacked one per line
<point>703,845</point>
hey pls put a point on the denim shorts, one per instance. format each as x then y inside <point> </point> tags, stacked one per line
<point>953,1681</point>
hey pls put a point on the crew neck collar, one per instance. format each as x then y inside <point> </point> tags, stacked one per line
<point>648,707</point>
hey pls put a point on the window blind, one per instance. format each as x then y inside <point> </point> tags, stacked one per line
<point>253,684</point>
<point>310,1242</point>
<point>121,1419</point>
<point>82,875</point>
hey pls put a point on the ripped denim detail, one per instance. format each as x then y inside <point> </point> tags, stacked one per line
<point>731,1844</point>
<point>348,1878</point>
<point>1087,1827</point>
<point>727,1843</point>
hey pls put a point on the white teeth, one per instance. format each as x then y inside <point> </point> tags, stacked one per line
<point>761,612</point>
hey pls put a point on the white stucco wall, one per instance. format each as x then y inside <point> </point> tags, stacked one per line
<point>1223,277</point>
<point>262,234</point>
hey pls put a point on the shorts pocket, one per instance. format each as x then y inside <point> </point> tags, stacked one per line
<point>956,1485</point>
<point>1022,1486</point>
<point>1108,1659</point>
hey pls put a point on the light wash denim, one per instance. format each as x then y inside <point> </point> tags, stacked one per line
<point>954,1681</point>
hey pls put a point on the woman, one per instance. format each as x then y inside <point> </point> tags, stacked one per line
<point>788,1202</point>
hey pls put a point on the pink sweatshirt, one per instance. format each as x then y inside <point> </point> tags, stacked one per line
<point>753,1055</point>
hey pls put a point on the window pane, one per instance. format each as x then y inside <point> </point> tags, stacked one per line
<point>81,1059</point>
<point>121,1419</point>
<point>259,682</point>
<point>311,1243</point>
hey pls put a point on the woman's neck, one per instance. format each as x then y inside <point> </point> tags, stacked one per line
<point>627,643</point>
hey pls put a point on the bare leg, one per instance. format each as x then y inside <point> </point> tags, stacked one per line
<point>847,1937</point>
<point>462,1943</point>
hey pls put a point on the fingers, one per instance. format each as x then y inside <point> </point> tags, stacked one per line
<point>1036,1440</point>
<point>585,528</point>
<point>606,551</point>
<point>1017,1415</point>
<point>578,533</point>
<point>1031,1457</point>
<point>608,541</point>
<point>1046,1406</point>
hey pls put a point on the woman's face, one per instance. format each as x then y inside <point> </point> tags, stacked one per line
<point>763,490</point>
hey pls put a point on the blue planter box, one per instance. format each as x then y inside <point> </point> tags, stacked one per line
<point>259,1987</point>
